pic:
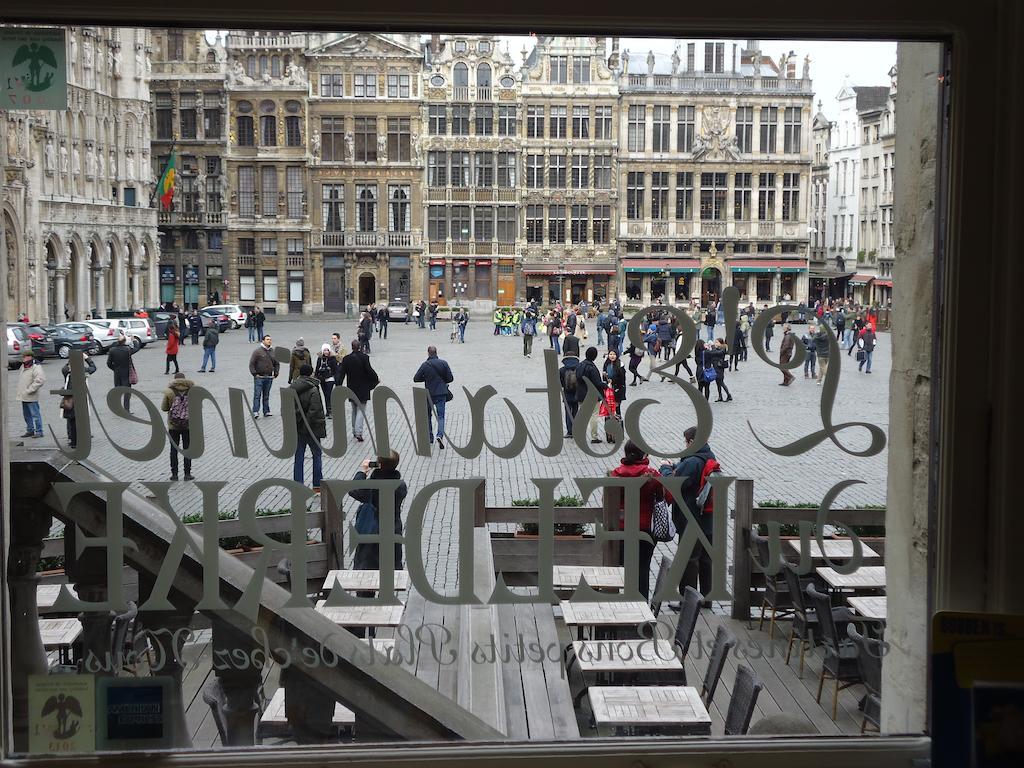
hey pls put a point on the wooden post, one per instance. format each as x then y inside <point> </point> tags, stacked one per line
<point>480,505</point>
<point>88,572</point>
<point>235,696</point>
<point>610,518</point>
<point>308,707</point>
<point>332,533</point>
<point>744,496</point>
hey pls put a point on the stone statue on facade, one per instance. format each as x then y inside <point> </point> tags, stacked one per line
<point>650,62</point>
<point>87,53</point>
<point>130,164</point>
<point>783,63</point>
<point>295,74</point>
<point>755,62</point>
<point>90,161</point>
<point>314,143</point>
<point>807,67</point>
<point>140,65</point>
<point>10,268</point>
<point>625,62</point>
<point>115,63</point>
<point>12,140</point>
<point>73,57</point>
<point>64,162</point>
<point>101,164</point>
<point>48,155</point>
<point>76,159</point>
<point>350,146</point>
<point>675,60</point>
<point>112,165</point>
<point>417,147</point>
<point>382,148</point>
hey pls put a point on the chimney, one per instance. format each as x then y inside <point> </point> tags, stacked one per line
<point>435,44</point>
<point>791,65</point>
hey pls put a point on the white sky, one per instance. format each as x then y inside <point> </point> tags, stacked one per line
<point>864,62</point>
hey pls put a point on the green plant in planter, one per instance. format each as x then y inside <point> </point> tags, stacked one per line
<point>54,563</point>
<point>780,504</point>
<point>561,529</point>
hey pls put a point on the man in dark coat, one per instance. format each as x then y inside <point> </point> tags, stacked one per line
<point>383,316</point>
<point>195,326</point>
<point>567,378</point>
<point>435,374</point>
<point>786,353</point>
<point>355,371</point>
<point>690,469</point>
<point>367,556</point>
<point>822,350</point>
<point>311,423</point>
<point>587,371</point>
<point>119,360</point>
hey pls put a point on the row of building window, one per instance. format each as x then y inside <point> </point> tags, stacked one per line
<point>635,246</point>
<point>246,134</point>
<point>398,207</point>
<point>557,120</point>
<point>462,223</point>
<point>364,147</point>
<point>487,120</point>
<point>365,85</point>
<point>561,66</point>
<point>713,192</point>
<point>269,196</point>
<point>189,108</point>
<point>661,129</point>
<point>584,221</point>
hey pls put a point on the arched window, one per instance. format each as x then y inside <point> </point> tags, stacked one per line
<point>483,76</point>
<point>275,66</point>
<point>461,76</point>
<point>264,65</point>
<point>250,66</point>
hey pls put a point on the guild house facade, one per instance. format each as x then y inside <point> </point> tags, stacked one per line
<point>357,167</point>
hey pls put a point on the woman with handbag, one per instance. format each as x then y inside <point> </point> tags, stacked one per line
<point>634,463</point>
<point>173,343</point>
<point>67,402</point>
<point>614,376</point>
<point>717,358</point>
<point>119,360</point>
<point>705,370</point>
<point>555,332</point>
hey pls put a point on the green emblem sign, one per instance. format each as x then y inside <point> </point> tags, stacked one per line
<point>33,68</point>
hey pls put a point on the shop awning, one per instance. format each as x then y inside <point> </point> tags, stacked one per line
<point>884,283</point>
<point>661,265</point>
<point>861,279</point>
<point>767,265</point>
<point>568,269</point>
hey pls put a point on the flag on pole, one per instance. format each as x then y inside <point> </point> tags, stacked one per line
<point>166,185</point>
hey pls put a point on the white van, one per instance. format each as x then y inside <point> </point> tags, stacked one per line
<point>138,329</point>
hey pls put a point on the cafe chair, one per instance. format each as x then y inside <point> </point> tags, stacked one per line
<point>725,641</point>
<point>745,691</point>
<point>840,663</point>
<point>869,660</point>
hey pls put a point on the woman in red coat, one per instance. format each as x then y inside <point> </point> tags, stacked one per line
<point>635,463</point>
<point>173,342</point>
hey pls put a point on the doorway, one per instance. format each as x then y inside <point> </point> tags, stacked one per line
<point>334,290</point>
<point>710,285</point>
<point>658,289</point>
<point>295,291</point>
<point>367,289</point>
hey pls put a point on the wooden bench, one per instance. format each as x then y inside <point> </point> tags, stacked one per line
<point>273,722</point>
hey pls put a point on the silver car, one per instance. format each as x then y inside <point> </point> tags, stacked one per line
<point>398,311</point>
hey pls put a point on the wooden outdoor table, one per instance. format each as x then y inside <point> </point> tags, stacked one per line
<point>835,549</point>
<point>605,615</point>
<point>46,595</point>
<point>626,656</point>
<point>273,722</point>
<point>368,616</point>
<point>865,578</point>
<point>871,607</point>
<point>362,581</point>
<point>567,577</point>
<point>657,709</point>
<point>60,635</point>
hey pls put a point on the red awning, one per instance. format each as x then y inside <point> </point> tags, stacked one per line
<point>884,283</point>
<point>861,279</point>
<point>437,262</point>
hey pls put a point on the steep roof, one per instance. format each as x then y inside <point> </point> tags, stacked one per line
<point>871,97</point>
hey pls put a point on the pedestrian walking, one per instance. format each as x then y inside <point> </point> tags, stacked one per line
<point>602,326</point>
<point>171,348</point>
<point>355,371</point>
<point>841,328</point>
<point>705,370</point>
<point>529,330</point>
<point>67,402</point>
<point>383,318</point>
<point>367,556</point>
<point>694,469</point>
<point>587,371</point>
<point>300,357</point>
<point>810,352</point>
<point>310,425</point>
<point>709,322</point>
<point>567,378</point>
<point>666,332</point>
<point>195,327</point>
<point>786,348</point>
<point>635,463</point>
<point>821,348</point>
<point>210,341</point>
<point>30,380</point>
<point>365,332</point>
<point>175,404</point>
<point>432,315</point>
<point>325,370</point>
<point>677,345</point>
<point>554,323</point>
<point>420,313</point>
<point>859,324</point>
<point>614,342</point>
<point>250,324</point>
<point>652,346</point>
<point>119,360</point>
<point>462,320</point>
<point>336,346</point>
<point>264,368</point>
<point>636,356</point>
<point>614,377</point>
<point>866,348</point>
<point>739,343</point>
<point>716,356</point>
<point>435,374</point>
<point>261,319</point>
<point>769,331</point>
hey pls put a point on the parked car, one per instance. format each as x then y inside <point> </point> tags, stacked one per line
<point>17,342</point>
<point>105,334</point>
<point>398,311</point>
<point>42,340</point>
<point>211,316</point>
<point>69,337</point>
<point>234,312</point>
<point>138,330</point>
<point>160,319</point>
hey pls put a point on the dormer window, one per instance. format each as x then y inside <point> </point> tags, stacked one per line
<point>484,46</point>
<point>460,46</point>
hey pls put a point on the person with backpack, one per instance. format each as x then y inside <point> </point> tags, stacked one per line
<point>587,372</point>
<point>175,403</point>
<point>696,470</point>
<point>652,345</point>
<point>602,326</point>
<point>300,357</point>
<point>325,371</point>
<point>173,343</point>
<point>529,330</point>
<point>355,368</point>
<point>435,374</point>
<point>311,424</point>
<point>210,341</point>
<point>634,463</point>
<point>568,380</point>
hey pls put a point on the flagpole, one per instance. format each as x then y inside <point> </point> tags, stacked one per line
<point>153,194</point>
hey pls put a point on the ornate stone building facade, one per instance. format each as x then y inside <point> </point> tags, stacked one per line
<point>80,238</point>
<point>471,114</point>
<point>267,167</point>
<point>714,172</point>
<point>827,277</point>
<point>188,118</point>
<point>364,108</point>
<point>569,199</point>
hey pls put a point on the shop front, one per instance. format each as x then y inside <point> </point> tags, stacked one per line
<point>399,278</point>
<point>667,280</point>
<point>168,283</point>
<point>190,281</point>
<point>768,280</point>
<point>569,283</point>
<point>883,291</point>
<point>437,285</point>
<point>859,288</point>
<point>506,282</point>
<point>215,282</point>
<point>827,284</point>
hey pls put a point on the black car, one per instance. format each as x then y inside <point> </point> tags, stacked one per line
<point>42,340</point>
<point>67,339</point>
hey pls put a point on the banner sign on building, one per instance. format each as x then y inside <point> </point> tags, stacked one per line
<point>33,68</point>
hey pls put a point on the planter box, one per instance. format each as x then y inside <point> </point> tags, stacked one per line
<point>515,555</point>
